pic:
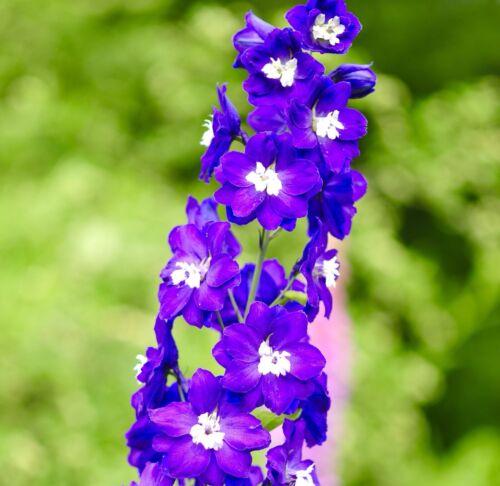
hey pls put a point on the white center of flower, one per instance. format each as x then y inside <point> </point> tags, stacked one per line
<point>208,135</point>
<point>329,125</point>
<point>273,361</point>
<point>141,361</point>
<point>304,478</point>
<point>265,180</point>
<point>285,72</point>
<point>330,269</point>
<point>190,274</point>
<point>328,31</point>
<point>207,432</point>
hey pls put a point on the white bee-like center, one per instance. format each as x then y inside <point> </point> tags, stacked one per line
<point>304,478</point>
<point>328,31</point>
<point>208,135</point>
<point>265,180</point>
<point>207,432</point>
<point>283,71</point>
<point>330,270</point>
<point>190,274</point>
<point>273,361</point>
<point>141,361</point>
<point>329,125</point>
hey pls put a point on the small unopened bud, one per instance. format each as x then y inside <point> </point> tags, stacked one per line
<point>361,78</point>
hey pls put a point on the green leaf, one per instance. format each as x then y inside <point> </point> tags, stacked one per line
<point>271,421</point>
<point>293,295</point>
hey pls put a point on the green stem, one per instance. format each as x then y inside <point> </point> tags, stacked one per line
<point>285,290</point>
<point>219,318</point>
<point>264,243</point>
<point>235,306</point>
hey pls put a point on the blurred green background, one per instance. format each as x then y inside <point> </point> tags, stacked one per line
<point>101,107</point>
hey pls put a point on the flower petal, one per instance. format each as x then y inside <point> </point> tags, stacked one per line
<point>246,200</point>
<point>233,462</point>
<point>306,360</point>
<point>186,459</point>
<point>175,420</point>
<point>242,343</point>
<point>221,271</point>
<point>244,432</point>
<point>189,239</point>
<point>173,299</point>
<point>241,377</point>
<point>204,392</point>
<point>299,178</point>
<point>289,328</point>
<point>236,166</point>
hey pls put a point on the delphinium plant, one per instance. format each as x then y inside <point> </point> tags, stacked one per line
<point>203,429</point>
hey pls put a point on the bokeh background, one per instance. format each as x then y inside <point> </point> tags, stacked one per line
<point>101,107</point>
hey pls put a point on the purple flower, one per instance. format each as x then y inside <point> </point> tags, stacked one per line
<point>198,276</point>
<point>153,475</point>
<point>325,120</point>
<point>361,78</point>
<point>254,478</point>
<point>204,213</point>
<point>321,270</point>
<point>140,436</point>
<point>252,35</point>
<point>207,438</point>
<point>221,130</point>
<point>284,463</point>
<point>269,359</point>
<point>315,412</point>
<point>326,25</point>
<point>153,368</point>
<point>278,69</point>
<point>334,206</point>
<point>266,182</point>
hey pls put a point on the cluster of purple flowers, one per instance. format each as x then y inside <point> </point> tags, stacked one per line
<point>203,430</point>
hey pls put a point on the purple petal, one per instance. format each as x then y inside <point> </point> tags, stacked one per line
<point>175,419</point>
<point>262,148</point>
<point>242,343</point>
<point>221,271</point>
<point>289,206</point>
<point>204,392</point>
<point>210,298</point>
<point>213,475</point>
<point>333,98</point>
<point>173,299</point>
<point>299,178</point>
<point>193,314</point>
<point>244,432</point>
<point>236,166</point>
<point>268,118</point>
<point>225,194</point>
<point>188,239</point>
<point>162,443</point>
<point>259,319</point>
<point>221,356</point>
<point>217,236</point>
<point>186,459</point>
<point>246,200</point>
<point>235,463</point>
<point>355,124</point>
<point>267,215</point>
<point>289,328</point>
<point>306,360</point>
<point>241,377</point>
<point>279,393</point>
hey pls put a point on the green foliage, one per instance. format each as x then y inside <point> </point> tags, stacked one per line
<point>101,107</point>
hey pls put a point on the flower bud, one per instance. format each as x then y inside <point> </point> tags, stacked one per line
<point>361,78</point>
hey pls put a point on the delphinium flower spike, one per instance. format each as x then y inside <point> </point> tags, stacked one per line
<point>203,429</point>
